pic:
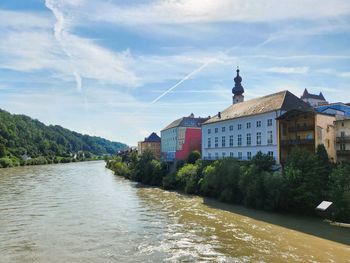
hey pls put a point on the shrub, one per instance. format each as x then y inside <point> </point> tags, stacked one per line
<point>193,157</point>
<point>187,178</point>
<point>5,162</point>
<point>340,193</point>
<point>170,182</point>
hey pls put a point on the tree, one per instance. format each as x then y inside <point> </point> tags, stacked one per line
<point>2,151</point>
<point>340,193</point>
<point>193,157</point>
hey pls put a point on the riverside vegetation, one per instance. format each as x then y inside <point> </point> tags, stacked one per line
<point>306,180</point>
<point>25,141</point>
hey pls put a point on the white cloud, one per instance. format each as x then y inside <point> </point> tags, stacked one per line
<point>288,70</point>
<point>206,11</point>
<point>30,50</point>
<point>20,20</point>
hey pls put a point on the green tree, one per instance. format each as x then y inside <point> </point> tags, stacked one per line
<point>340,193</point>
<point>193,157</point>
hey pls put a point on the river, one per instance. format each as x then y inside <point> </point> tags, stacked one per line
<point>81,212</point>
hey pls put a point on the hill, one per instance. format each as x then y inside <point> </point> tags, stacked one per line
<point>24,140</point>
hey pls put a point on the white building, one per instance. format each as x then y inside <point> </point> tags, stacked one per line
<point>313,99</point>
<point>247,127</point>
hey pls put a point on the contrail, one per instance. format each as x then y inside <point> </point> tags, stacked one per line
<point>194,72</point>
<point>182,80</point>
<point>58,30</point>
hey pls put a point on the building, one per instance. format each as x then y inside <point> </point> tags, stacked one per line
<point>342,133</point>
<point>306,129</point>
<point>181,137</point>
<point>339,109</point>
<point>152,144</point>
<point>313,99</point>
<point>247,127</point>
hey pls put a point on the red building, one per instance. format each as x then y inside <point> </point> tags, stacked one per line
<point>192,142</point>
<point>181,137</point>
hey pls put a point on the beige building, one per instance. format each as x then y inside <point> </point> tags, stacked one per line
<point>152,144</point>
<point>307,130</point>
<point>342,138</point>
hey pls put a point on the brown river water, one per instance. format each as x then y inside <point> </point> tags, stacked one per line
<point>81,212</point>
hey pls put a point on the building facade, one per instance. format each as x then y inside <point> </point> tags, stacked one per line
<point>247,127</point>
<point>313,99</point>
<point>339,109</point>
<point>181,137</point>
<point>342,133</point>
<point>152,144</point>
<point>306,129</point>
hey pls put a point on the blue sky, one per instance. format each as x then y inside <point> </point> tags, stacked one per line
<point>99,66</point>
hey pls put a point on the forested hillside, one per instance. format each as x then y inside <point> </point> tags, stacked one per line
<point>24,140</point>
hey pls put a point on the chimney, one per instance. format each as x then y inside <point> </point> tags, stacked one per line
<point>219,115</point>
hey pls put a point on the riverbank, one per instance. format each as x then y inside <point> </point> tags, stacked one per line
<point>7,162</point>
<point>298,189</point>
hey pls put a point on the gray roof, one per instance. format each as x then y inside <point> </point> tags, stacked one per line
<point>186,122</point>
<point>283,100</point>
<point>152,138</point>
<point>307,95</point>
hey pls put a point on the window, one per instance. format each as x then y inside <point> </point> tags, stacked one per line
<point>223,141</point>
<point>216,156</point>
<point>231,127</point>
<point>342,134</point>
<point>231,154</point>
<point>258,138</point>
<point>239,140</point>
<point>249,155</point>
<point>223,155</point>
<point>269,122</point>
<point>342,124</point>
<point>216,130</point>
<point>249,125</point>
<point>239,155</point>
<point>209,131</point>
<point>223,129</point>
<point>269,137</point>
<point>258,123</point>
<point>239,126</point>
<point>209,156</point>
<point>231,140</point>
<point>216,142</point>
<point>249,139</point>
<point>209,142</point>
<point>342,147</point>
<point>270,153</point>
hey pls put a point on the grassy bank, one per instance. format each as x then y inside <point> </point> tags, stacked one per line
<point>305,181</point>
<point>13,161</point>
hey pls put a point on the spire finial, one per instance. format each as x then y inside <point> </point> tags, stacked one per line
<point>238,89</point>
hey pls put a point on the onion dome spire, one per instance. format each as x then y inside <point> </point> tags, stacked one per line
<point>238,88</point>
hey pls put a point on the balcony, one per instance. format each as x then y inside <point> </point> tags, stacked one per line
<point>301,128</point>
<point>297,142</point>
<point>343,139</point>
<point>343,152</point>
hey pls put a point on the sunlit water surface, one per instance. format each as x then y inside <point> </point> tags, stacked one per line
<point>81,212</point>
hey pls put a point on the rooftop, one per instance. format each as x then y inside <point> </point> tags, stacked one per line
<point>152,138</point>
<point>189,121</point>
<point>283,100</point>
<point>339,106</point>
<point>307,95</point>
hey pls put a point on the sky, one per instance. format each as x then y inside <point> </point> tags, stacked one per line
<point>121,69</point>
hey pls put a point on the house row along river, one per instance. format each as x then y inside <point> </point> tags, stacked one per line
<point>81,212</point>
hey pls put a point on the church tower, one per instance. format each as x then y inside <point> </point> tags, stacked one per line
<point>238,89</point>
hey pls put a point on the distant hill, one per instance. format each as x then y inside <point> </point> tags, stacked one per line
<point>22,137</point>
